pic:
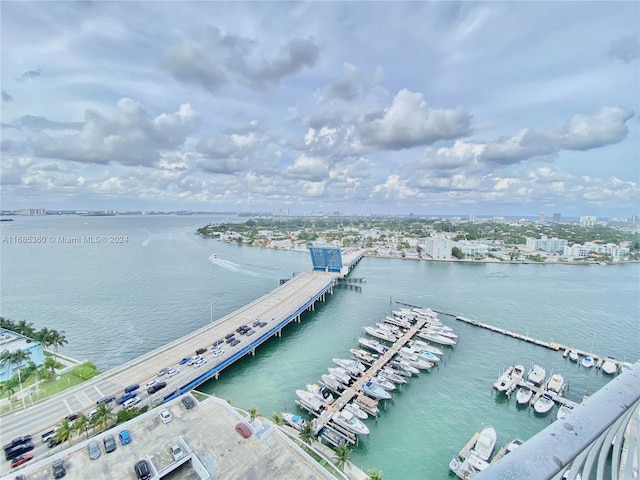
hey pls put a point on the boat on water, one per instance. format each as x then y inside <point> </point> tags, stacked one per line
<point>424,312</point>
<point>556,383</point>
<point>367,404</point>
<point>352,367</point>
<point>424,354</point>
<point>399,368</point>
<point>295,421</point>
<point>341,374</point>
<point>505,383</point>
<point>517,373</point>
<point>470,467</point>
<point>573,356</point>
<point>609,367</point>
<point>513,444</point>
<point>332,382</point>
<point>436,338</point>
<point>485,444</point>
<point>440,330</point>
<point>395,330</point>
<point>364,356</point>
<point>382,382</point>
<point>588,362</point>
<point>371,389</point>
<point>348,421</point>
<point>427,347</point>
<point>416,362</point>
<point>565,409</point>
<point>331,436</point>
<point>536,375</point>
<point>404,363</point>
<point>356,410</point>
<point>381,334</point>
<point>389,374</point>
<point>524,394</point>
<point>322,393</point>
<point>398,322</point>
<point>373,345</point>
<point>310,401</point>
<point>544,404</point>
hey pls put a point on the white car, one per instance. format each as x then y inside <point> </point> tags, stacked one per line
<point>150,384</point>
<point>172,372</point>
<point>176,451</point>
<point>216,352</point>
<point>165,416</point>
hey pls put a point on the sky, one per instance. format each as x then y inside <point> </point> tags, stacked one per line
<point>485,108</point>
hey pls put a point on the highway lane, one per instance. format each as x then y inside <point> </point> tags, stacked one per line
<point>273,308</point>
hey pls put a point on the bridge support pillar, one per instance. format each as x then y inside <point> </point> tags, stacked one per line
<point>279,333</point>
<point>217,375</point>
<point>253,352</point>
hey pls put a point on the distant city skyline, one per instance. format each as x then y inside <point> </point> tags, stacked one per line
<point>460,108</point>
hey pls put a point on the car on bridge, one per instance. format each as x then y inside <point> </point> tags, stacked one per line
<point>184,360</point>
<point>125,397</point>
<point>156,387</point>
<point>22,459</point>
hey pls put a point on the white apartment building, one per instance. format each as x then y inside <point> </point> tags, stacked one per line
<point>472,249</point>
<point>587,221</point>
<point>616,251</point>
<point>551,245</point>
<point>438,248</point>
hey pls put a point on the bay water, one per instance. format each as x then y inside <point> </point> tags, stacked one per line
<point>116,301</point>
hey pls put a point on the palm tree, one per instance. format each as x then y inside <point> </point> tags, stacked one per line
<point>63,431</point>
<point>42,336</point>
<point>343,454</point>
<point>104,416</point>
<point>375,474</point>
<point>277,418</point>
<point>306,434</point>
<point>25,328</point>
<point>9,387</point>
<point>81,425</point>
<point>18,358</point>
<point>253,413</point>
<point>57,339</point>
<point>50,364</point>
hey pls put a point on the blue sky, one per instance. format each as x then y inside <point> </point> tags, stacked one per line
<point>499,108</point>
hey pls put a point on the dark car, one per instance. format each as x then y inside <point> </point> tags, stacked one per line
<point>243,429</point>
<point>143,472</point>
<point>184,360</point>
<point>47,435</point>
<point>72,416</point>
<point>20,477</point>
<point>58,469</point>
<point>108,399</point>
<point>235,342</point>
<point>17,441</point>
<point>125,397</point>
<point>200,351</point>
<point>230,339</point>
<point>188,402</point>
<point>18,450</point>
<point>163,371</point>
<point>109,443</point>
<point>229,335</point>
<point>218,342</point>
<point>53,441</point>
<point>132,388</point>
<point>158,386</point>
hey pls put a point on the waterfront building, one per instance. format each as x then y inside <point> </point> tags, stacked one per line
<point>616,251</point>
<point>12,342</point>
<point>438,248</point>
<point>31,211</point>
<point>472,249</point>
<point>551,245</point>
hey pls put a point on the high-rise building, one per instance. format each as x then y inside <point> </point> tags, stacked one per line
<point>556,217</point>
<point>541,219</point>
<point>587,221</point>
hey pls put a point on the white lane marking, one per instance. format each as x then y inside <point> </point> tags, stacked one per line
<point>64,400</point>
<point>100,394</point>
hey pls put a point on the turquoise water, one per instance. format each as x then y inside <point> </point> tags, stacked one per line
<point>161,285</point>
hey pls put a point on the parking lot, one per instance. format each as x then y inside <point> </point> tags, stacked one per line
<point>210,444</point>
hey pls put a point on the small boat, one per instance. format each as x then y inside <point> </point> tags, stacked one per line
<point>356,410</point>
<point>399,368</point>
<point>524,394</point>
<point>341,374</point>
<point>517,373</point>
<point>363,356</point>
<point>381,334</point>
<point>436,338</point>
<point>513,445</point>
<point>470,467</point>
<point>609,367</point>
<point>404,363</point>
<point>445,332</point>
<point>588,362</point>
<point>486,443</point>
<point>393,329</point>
<point>296,421</point>
<point>389,374</point>
<point>333,437</point>
<point>398,322</point>
<point>352,367</point>
<point>573,356</point>
<point>372,345</point>
<point>374,391</point>
<point>416,362</point>
<point>382,382</point>
<point>310,401</point>
<point>505,383</point>
<point>556,383</point>
<point>348,421</point>
<point>427,347</point>
<point>454,464</point>
<point>322,393</point>
<point>564,410</point>
<point>332,382</point>
<point>367,404</point>
<point>544,404</point>
<point>536,375</point>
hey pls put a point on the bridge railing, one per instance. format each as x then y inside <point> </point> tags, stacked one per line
<point>593,441</point>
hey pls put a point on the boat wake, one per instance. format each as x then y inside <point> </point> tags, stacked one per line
<point>232,267</point>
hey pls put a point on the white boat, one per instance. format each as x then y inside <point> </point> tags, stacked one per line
<point>536,375</point>
<point>434,337</point>
<point>505,383</point>
<point>393,329</point>
<point>341,374</point>
<point>556,383</point>
<point>399,368</point>
<point>381,334</point>
<point>310,401</point>
<point>356,410</point>
<point>322,393</point>
<point>367,404</point>
<point>468,468</point>
<point>544,404</point>
<point>513,445</point>
<point>333,437</point>
<point>296,421</point>
<point>372,345</point>
<point>517,373</point>
<point>389,374</point>
<point>573,356</point>
<point>332,382</point>
<point>417,362</point>
<point>374,391</point>
<point>610,367</point>
<point>445,332</point>
<point>352,367</point>
<point>565,409</point>
<point>363,356</point>
<point>406,365</point>
<point>486,443</point>
<point>398,322</point>
<point>348,421</point>
<point>588,362</point>
<point>524,394</point>
<point>428,356</point>
<point>382,382</point>
<point>426,347</point>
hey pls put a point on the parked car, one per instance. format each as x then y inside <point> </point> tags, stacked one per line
<point>172,372</point>
<point>107,399</point>
<point>125,437</point>
<point>156,387</point>
<point>131,388</point>
<point>94,450</point>
<point>22,459</point>
<point>177,451</point>
<point>18,450</point>
<point>142,469</point>
<point>165,416</point>
<point>125,397</point>
<point>188,402</point>
<point>184,360</point>
<point>58,469</point>
<point>243,429</point>
<point>109,443</point>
